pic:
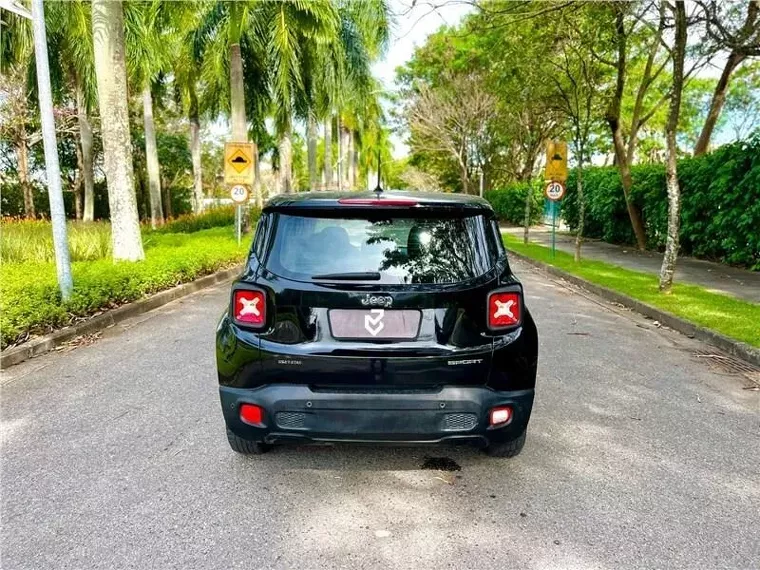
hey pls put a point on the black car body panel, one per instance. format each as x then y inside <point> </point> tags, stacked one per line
<point>447,361</point>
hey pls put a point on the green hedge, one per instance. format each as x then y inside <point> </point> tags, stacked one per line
<point>720,210</point>
<point>31,304</point>
<point>509,202</point>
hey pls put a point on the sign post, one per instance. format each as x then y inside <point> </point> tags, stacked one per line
<point>239,172</point>
<point>556,176</point>
<point>554,192</point>
<point>239,195</point>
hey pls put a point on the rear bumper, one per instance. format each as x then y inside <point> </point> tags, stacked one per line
<point>295,412</point>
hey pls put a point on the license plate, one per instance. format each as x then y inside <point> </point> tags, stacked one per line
<point>383,324</point>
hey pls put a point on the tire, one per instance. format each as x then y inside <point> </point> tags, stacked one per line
<point>245,446</point>
<point>507,448</point>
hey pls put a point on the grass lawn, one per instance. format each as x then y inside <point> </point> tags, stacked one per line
<point>30,302</point>
<point>729,316</point>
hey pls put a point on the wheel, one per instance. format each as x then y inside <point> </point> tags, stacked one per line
<point>507,448</point>
<point>246,446</point>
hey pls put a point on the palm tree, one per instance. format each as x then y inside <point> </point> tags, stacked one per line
<point>147,50</point>
<point>70,32</point>
<point>227,34</point>
<point>367,134</point>
<point>292,34</point>
<point>269,37</point>
<point>343,73</point>
<point>187,72</point>
<point>111,73</point>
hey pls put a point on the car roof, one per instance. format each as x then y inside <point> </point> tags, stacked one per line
<point>421,201</point>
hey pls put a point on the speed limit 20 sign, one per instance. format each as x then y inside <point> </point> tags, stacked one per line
<point>239,194</point>
<point>555,190</point>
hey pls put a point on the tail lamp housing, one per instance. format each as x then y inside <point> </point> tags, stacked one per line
<point>249,308</point>
<point>252,414</point>
<point>505,309</point>
<point>500,416</point>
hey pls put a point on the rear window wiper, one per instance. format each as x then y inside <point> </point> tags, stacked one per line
<point>355,276</point>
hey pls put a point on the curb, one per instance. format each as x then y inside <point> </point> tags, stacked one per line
<point>733,347</point>
<point>44,344</point>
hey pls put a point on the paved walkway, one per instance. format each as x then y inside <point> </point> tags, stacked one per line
<point>717,277</point>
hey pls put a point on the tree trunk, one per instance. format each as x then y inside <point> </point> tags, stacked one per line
<point>286,163</point>
<point>328,153</point>
<point>719,96</point>
<point>78,184</point>
<point>237,108</point>
<point>22,152</point>
<point>258,186</point>
<point>526,174</point>
<point>151,159</point>
<point>311,150</point>
<point>526,221</point>
<point>716,105</point>
<point>356,162</point>
<point>581,207</point>
<point>624,168</point>
<point>646,82</point>
<point>85,141</point>
<point>166,196</point>
<point>465,179</point>
<point>353,159</point>
<point>340,154</point>
<point>143,203</point>
<point>345,137</point>
<point>671,173</point>
<point>613,120</point>
<point>195,152</point>
<point>110,68</point>
<point>237,96</point>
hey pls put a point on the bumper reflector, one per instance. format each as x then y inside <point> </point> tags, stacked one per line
<point>251,414</point>
<point>500,416</point>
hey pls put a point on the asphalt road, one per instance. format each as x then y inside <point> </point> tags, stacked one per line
<point>639,455</point>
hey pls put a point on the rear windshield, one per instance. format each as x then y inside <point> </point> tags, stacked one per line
<point>401,250</point>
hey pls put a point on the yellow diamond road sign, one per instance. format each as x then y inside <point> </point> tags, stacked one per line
<point>238,163</point>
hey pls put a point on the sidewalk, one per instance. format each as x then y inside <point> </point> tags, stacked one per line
<point>717,277</point>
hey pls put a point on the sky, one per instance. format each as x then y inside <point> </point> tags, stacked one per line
<point>415,21</point>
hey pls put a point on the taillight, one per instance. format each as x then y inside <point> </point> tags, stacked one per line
<point>500,416</point>
<point>249,307</point>
<point>251,414</point>
<point>504,309</point>
<point>377,202</point>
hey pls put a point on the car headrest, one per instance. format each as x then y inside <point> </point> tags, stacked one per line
<point>333,238</point>
<point>414,245</point>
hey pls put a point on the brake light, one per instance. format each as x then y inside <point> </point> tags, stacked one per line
<point>377,202</point>
<point>251,414</point>
<point>500,416</point>
<point>249,307</point>
<point>504,309</point>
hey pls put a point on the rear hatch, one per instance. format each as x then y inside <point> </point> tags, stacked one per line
<point>379,297</point>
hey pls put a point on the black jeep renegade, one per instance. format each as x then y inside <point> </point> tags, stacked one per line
<point>378,317</point>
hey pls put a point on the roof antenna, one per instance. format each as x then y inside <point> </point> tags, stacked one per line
<point>378,190</point>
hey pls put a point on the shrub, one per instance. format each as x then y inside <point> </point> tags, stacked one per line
<point>509,202</point>
<point>213,218</point>
<point>31,303</point>
<point>720,204</point>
